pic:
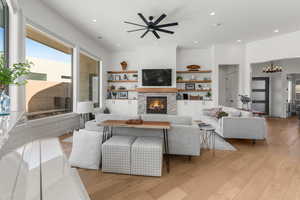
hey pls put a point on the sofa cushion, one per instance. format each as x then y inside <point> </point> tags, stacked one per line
<point>173,119</point>
<point>86,149</point>
<point>102,117</point>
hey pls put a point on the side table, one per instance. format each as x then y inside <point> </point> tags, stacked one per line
<point>208,136</point>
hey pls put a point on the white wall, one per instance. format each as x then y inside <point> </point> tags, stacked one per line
<point>147,57</point>
<point>275,48</point>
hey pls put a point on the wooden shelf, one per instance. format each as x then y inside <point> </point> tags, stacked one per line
<point>122,99</point>
<point>123,81</point>
<point>199,90</point>
<point>157,90</point>
<point>123,72</point>
<point>193,81</point>
<point>133,90</point>
<point>200,71</point>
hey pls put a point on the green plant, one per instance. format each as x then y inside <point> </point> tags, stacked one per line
<point>179,78</point>
<point>221,114</point>
<point>208,94</point>
<point>10,75</point>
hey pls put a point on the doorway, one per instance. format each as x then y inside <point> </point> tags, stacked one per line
<point>228,85</point>
<point>260,94</point>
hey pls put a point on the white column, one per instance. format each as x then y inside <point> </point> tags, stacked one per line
<point>16,51</point>
<point>76,65</point>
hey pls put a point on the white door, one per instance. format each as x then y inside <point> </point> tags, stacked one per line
<point>228,95</point>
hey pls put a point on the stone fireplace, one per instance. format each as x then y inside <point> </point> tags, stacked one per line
<point>157,105</point>
<point>157,101</point>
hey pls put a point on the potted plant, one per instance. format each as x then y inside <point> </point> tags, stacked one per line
<point>11,76</point>
<point>179,78</point>
<point>208,95</point>
<point>135,76</point>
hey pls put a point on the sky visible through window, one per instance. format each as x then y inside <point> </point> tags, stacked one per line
<point>1,39</point>
<point>38,50</point>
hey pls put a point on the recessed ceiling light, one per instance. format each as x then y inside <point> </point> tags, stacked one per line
<point>118,45</point>
<point>212,14</point>
<point>239,40</point>
<point>276,31</point>
<point>217,24</point>
<point>196,42</point>
<point>94,20</point>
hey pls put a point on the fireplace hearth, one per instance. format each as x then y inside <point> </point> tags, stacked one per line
<point>157,105</point>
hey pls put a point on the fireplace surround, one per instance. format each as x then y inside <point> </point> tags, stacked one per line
<point>157,105</point>
<point>167,99</point>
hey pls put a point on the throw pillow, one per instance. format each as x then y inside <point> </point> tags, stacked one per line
<point>86,149</point>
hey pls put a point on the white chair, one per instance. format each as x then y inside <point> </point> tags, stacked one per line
<point>146,156</point>
<point>116,154</point>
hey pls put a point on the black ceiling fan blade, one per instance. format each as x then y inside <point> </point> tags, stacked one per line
<point>135,24</point>
<point>166,25</point>
<point>140,29</point>
<point>145,33</point>
<point>143,18</point>
<point>156,35</point>
<point>159,19</point>
<point>165,31</point>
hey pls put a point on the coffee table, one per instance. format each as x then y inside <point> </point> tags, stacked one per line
<point>108,126</point>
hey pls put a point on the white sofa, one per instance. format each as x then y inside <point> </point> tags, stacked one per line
<point>184,136</point>
<point>239,124</point>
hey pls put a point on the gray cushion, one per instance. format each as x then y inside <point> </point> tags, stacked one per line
<point>173,119</point>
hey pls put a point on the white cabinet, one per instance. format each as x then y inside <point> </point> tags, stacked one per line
<point>184,108</point>
<point>122,107</point>
<point>192,108</point>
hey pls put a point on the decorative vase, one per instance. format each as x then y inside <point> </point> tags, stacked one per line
<point>123,65</point>
<point>4,101</point>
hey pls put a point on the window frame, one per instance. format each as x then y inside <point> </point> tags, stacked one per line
<point>98,59</point>
<point>68,44</point>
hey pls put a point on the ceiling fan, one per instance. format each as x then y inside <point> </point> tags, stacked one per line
<point>152,26</point>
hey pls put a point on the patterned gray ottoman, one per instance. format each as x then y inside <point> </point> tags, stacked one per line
<point>146,156</point>
<point>116,154</point>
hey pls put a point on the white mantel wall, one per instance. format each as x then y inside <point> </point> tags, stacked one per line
<point>178,58</point>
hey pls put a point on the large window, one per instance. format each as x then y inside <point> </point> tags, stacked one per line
<point>89,79</point>
<point>49,87</point>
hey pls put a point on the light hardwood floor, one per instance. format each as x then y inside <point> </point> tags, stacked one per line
<point>267,170</point>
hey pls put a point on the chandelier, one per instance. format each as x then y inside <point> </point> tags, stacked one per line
<point>272,68</point>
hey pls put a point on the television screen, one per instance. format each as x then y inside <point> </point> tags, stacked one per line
<point>157,77</point>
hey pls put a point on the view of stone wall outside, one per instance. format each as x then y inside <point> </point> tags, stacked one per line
<point>88,79</point>
<point>51,91</point>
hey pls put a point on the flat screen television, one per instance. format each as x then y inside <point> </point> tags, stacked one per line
<point>157,77</point>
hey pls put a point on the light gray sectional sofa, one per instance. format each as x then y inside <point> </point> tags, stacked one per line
<point>184,136</point>
<point>238,125</point>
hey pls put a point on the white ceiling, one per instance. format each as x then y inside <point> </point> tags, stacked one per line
<point>245,20</point>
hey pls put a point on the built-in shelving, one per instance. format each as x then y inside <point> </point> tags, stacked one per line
<point>193,81</point>
<point>122,81</point>
<point>199,71</point>
<point>122,99</point>
<point>125,90</point>
<point>197,90</point>
<point>123,72</point>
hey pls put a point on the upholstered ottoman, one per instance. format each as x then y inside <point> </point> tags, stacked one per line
<point>146,156</point>
<point>116,154</point>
